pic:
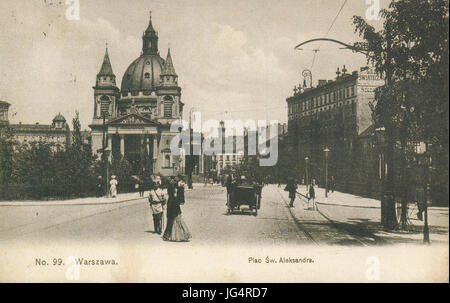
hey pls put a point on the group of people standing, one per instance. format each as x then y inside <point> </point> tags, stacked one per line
<point>176,229</point>
<point>112,187</point>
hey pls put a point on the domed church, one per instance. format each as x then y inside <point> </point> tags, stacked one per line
<point>134,121</point>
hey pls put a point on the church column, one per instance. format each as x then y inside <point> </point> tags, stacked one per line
<point>109,141</point>
<point>155,152</point>
<point>122,145</point>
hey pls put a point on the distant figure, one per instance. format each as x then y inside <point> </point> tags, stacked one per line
<point>291,187</point>
<point>180,190</point>
<point>312,195</point>
<point>99,186</point>
<point>176,229</point>
<point>332,184</point>
<point>229,184</point>
<point>113,186</point>
<point>141,187</point>
<point>157,202</point>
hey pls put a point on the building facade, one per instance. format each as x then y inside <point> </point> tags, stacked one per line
<point>335,115</point>
<point>58,132</point>
<point>134,121</point>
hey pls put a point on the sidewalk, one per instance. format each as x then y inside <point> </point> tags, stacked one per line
<point>349,200</point>
<point>78,201</point>
<point>359,213</point>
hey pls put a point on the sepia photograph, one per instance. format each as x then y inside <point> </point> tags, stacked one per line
<point>224,141</point>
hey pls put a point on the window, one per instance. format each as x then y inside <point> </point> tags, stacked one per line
<point>167,161</point>
<point>168,107</point>
<point>147,75</point>
<point>353,90</point>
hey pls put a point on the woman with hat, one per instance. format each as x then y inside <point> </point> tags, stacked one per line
<point>113,186</point>
<point>176,229</point>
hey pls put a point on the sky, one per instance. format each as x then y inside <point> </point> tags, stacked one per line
<point>235,59</point>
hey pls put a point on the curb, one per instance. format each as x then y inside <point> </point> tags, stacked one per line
<point>70,204</point>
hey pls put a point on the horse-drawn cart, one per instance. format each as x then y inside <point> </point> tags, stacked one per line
<point>249,195</point>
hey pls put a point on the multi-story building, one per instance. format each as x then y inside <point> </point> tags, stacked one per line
<point>58,132</point>
<point>136,118</point>
<point>334,115</point>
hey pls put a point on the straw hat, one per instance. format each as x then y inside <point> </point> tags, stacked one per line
<point>113,176</point>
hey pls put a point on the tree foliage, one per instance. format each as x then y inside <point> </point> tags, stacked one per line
<point>411,53</point>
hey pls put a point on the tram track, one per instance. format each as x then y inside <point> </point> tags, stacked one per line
<point>340,227</point>
<point>300,226</point>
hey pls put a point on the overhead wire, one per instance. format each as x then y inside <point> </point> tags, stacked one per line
<point>328,31</point>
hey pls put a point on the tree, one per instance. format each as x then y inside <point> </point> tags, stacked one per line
<point>411,53</point>
<point>7,144</point>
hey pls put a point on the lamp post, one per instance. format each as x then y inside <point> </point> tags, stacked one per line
<point>428,169</point>
<point>107,152</point>
<point>326,150</point>
<point>380,137</point>
<point>306,168</point>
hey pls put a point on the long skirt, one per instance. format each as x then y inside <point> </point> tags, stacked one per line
<point>177,230</point>
<point>113,191</point>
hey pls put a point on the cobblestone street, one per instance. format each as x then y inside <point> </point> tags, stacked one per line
<point>128,218</point>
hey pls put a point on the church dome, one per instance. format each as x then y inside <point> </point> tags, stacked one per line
<point>143,75</point>
<point>59,118</point>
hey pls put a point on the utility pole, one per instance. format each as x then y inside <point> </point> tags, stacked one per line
<point>191,149</point>
<point>426,231</point>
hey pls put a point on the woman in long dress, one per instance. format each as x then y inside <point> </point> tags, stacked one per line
<point>113,186</point>
<point>176,229</point>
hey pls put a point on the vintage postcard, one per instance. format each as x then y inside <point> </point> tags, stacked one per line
<point>224,141</point>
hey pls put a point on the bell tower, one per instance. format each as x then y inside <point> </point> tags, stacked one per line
<point>106,92</point>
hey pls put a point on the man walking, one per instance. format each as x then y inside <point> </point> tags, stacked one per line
<point>312,196</point>
<point>291,187</point>
<point>157,202</point>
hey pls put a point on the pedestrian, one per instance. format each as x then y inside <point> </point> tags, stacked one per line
<point>229,183</point>
<point>312,195</point>
<point>332,184</point>
<point>99,186</point>
<point>291,187</point>
<point>176,229</point>
<point>113,186</point>
<point>141,186</point>
<point>180,190</point>
<point>157,201</point>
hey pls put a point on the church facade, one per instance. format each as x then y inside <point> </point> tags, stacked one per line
<point>133,122</point>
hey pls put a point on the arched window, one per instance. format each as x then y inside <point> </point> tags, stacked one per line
<point>147,75</point>
<point>104,105</point>
<point>168,102</point>
<point>167,161</point>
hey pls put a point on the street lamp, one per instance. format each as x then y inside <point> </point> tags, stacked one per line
<point>306,168</point>
<point>428,168</point>
<point>107,153</point>
<point>326,150</point>
<point>380,137</point>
